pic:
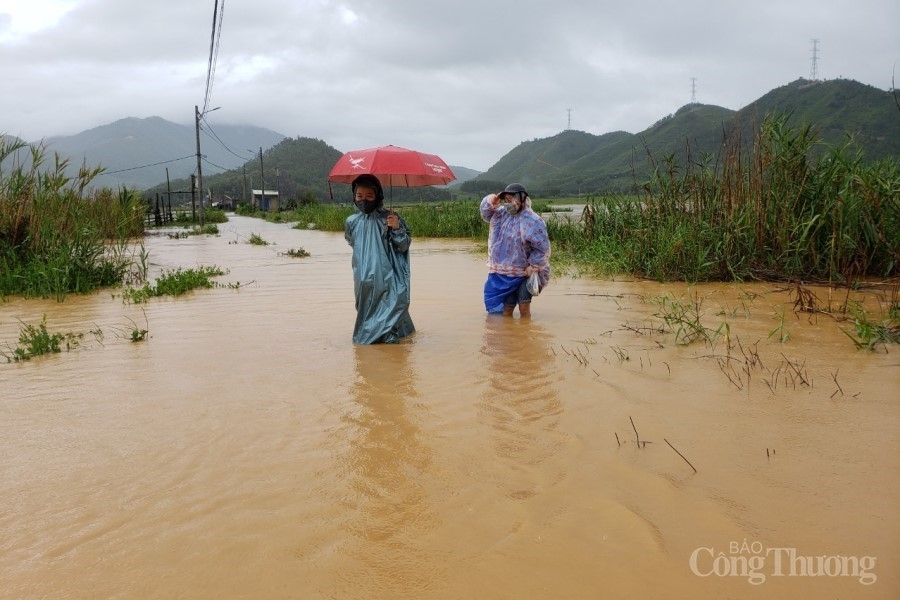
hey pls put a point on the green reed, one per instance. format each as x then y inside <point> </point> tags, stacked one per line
<point>770,212</point>
<point>55,231</point>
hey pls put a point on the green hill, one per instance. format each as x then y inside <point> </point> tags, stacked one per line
<point>298,169</point>
<point>836,109</point>
<point>574,162</point>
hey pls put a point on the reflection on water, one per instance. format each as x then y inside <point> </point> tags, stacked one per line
<point>521,405</point>
<point>247,449</point>
<point>388,511</point>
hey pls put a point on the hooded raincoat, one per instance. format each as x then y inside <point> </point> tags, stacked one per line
<point>515,242</point>
<point>381,279</point>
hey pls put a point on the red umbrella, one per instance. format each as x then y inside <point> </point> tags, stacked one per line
<point>393,166</point>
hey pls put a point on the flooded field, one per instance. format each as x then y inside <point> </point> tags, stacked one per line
<point>246,448</point>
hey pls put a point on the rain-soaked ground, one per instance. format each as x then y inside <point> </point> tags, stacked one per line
<point>246,449</point>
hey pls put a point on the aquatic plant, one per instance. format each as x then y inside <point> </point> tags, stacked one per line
<point>870,335</point>
<point>206,229</point>
<point>684,319</point>
<point>174,282</point>
<point>37,340</point>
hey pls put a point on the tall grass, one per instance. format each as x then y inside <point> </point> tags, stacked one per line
<point>443,219</point>
<point>55,230</point>
<point>772,214</point>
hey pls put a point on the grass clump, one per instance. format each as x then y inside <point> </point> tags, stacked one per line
<point>870,335</point>
<point>684,319</point>
<point>257,240</point>
<point>174,282</point>
<point>36,340</point>
<point>206,229</point>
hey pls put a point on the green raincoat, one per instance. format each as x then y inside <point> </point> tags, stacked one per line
<point>381,279</point>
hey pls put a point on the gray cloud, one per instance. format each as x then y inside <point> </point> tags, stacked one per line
<point>466,80</point>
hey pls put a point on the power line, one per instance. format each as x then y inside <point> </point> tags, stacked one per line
<point>214,39</point>
<point>215,36</point>
<point>151,165</point>
<point>226,169</point>
<point>223,144</point>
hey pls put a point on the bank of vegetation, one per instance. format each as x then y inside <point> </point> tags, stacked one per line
<point>771,213</point>
<point>768,213</point>
<point>57,235</point>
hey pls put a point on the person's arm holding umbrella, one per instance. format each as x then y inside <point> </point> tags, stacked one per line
<point>398,232</point>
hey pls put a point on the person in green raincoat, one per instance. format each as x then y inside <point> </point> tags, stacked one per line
<point>380,240</point>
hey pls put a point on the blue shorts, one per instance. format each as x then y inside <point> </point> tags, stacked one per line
<point>520,296</point>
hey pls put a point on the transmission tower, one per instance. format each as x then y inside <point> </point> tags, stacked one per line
<point>569,125</point>
<point>693,90</point>
<point>814,69</point>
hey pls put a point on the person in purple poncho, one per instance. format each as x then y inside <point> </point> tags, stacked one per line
<point>517,247</point>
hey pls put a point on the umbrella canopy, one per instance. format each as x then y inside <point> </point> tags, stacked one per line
<point>393,166</point>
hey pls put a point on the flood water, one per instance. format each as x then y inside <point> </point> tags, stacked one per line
<point>246,448</point>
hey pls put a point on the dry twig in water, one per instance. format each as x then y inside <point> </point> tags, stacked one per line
<point>680,454</point>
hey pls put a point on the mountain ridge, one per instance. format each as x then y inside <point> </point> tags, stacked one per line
<point>130,147</point>
<point>837,109</point>
<point>568,163</point>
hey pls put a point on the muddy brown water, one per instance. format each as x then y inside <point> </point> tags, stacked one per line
<point>247,449</point>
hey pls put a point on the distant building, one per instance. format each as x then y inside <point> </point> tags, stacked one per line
<point>267,201</point>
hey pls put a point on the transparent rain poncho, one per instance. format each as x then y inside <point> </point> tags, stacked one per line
<point>515,242</point>
<point>381,278</point>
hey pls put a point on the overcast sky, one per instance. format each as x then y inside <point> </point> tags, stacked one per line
<point>467,80</point>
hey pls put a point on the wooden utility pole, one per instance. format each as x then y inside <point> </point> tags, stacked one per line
<point>199,161</point>
<point>193,197</point>
<point>168,197</point>
<point>262,175</point>
<point>244,190</point>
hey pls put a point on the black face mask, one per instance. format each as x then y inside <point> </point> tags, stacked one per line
<point>366,207</point>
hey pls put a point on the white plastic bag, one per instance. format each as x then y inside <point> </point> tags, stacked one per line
<point>533,285</point>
